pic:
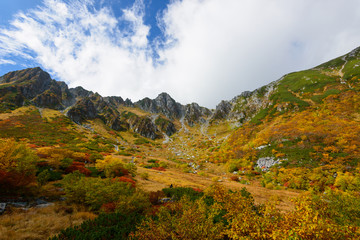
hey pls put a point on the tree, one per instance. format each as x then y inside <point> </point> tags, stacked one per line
<point>17,165</point>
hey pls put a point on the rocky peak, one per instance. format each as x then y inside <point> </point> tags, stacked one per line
<point>80,92</point>
<point>222,110</point>
<point>195,114</point>
<point>168,106</point>
<point>164,104</point>
<point>33,81</point>
<point>116,101</point>
<point>29,74</point>
<point>129,103</point>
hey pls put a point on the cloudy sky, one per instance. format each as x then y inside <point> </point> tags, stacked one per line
<point>199,51</point>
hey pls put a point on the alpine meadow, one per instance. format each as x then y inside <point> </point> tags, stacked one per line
<point>279,162</point>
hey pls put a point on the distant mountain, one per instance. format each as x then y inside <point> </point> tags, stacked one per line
<point>294,91</point>
<point>307,122</point>
<point>34,86</point>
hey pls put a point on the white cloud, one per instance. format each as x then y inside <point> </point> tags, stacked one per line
<point>214,49</point>
<point>6,61</point>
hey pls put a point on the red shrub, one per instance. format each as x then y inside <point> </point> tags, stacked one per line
<point>197,190</point>
<point>11,180</point>
<point>33,146</point>
<point>125,179</point>
<point>121,172</point>
<point>78,166</point>
<point>159,168</point>
<point>108,207</point>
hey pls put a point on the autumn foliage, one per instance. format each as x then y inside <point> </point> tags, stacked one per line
<point>224,214</point>
<point>17,165</point>
<point>78,166</point>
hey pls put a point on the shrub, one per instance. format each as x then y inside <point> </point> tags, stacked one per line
<point>105,226</point>
<point>94,192</point>
<point>115,167</point>
<point>43,177</point>
<point>156,196</point>
<point>158,168</point>
<point>126,180</point>
<point>234,178</point>
<point>178,192</point>
<point>78,166</point>
<point>17,165</point>
<point>144,175</point>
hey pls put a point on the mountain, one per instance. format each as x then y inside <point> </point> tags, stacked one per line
<point>35,87</point>
<point>299,132</point>
<point>307,123</point>
<point>294,91</point>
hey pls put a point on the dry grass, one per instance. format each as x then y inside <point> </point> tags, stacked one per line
<point>17,112</point>
<point>219,130</point>
<point>50,114</point>
<point>40,223</point>
<point>161,179</point>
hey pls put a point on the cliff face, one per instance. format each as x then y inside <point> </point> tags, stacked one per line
<point>162,104</point>
<point>34,86</point>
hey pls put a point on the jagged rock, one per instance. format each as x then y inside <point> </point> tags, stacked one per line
<point>165,126</point>
<point>147,105</point>
<point>34,86</point>
<point>222,110</point>
<point>51,98</point>
<point>195,114</point>
<point>129,103</point>
<point>31,81</point>
<point>168,106</point>
<point>162,104</point>
<point>118,125</point>
<point>82,110</point>
<point>145,127</point>
<point>80,92</point>
<point>266,163</point>
<point>115,101</point>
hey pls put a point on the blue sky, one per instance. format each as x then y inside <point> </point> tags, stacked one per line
<point>200,51</point>
<point>9,9</point>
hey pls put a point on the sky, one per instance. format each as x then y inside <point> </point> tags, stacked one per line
<point>200,51</point>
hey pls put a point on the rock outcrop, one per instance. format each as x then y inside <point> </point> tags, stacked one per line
<point>195,114</point>
<point>162,104</point>
<point>83,110</point>
<point>165,126</point>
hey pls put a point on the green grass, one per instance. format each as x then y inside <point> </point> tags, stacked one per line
<point>260,116</point>
<point>306,81</point>
<point>319,98</point>
<point>352,69</point>
<point>141,141</point>
<point>283,95</point>
<point>335,63</point>
<point>42,133</point>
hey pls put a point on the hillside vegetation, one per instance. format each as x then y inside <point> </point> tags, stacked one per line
<point>280,162</point>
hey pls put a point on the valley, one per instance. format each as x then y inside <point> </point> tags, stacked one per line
<point>286,153</point>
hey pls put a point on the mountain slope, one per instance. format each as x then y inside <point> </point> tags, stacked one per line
<point>307,122</point>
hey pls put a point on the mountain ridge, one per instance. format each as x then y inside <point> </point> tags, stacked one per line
<point>295,90</point>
